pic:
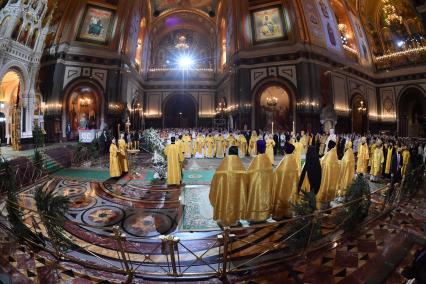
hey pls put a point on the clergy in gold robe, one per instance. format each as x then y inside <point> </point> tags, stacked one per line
<point>270,144</point>
<point>298,153</point>
<point>220,147</point>
<point>405,160</point>
<point>210,146</point>
<point>253,144</point>
<point>242,146</point>
<point>174,158</point>
<point>286,179</point>
<point>377,160</point>
<point>230,141</point>
<point>199,146</point>
<point>114,164</point>
<point>330,170</point>
<point>362,158</point>
<point>228,192</point>
<point>181,147</point>
<point>347,169</point>
<point>123,157</point>
<point>260,179</point>
<point>187,143</point>
<point>389,155</point>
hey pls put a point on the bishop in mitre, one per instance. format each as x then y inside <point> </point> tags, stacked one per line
<point>363,157</point>
<point>228,193</point>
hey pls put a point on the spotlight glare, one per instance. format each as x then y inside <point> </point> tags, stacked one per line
<point>185,62</point>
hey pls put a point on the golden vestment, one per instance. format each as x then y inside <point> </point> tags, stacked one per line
<point>187,145</point>
<point>330,176</point>
<point>377,160</point>
<point>228,192</point>
<point>174,172</point>
<point>363,156</point>
<point>220,149</point>
<point>405,160</point>
<point>389,160</point>
<point>270,149</point>
<point>199,145</point>
<point>347,171</point>
<point>298,153</point>
<point>210,147</point>
<point>242,146</point>
<point>114,164</point>
<point>124,160</point>
<point>253,145</point>
<point>259,198</point>
<point>286,178</point>
<point>323,139</point>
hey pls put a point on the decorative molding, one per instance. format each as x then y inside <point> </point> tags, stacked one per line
<point>288,72</point>
<point>257,75</point>
<point>100,75</point>
<point>71,73</point>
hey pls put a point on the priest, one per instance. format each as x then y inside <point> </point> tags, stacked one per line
<point>347,169</point>
<point>330,175</point>
<point>377,160</point>
<point>174,158</point>
<point>187,145</point>
<point>363,157</point>
<point>252,144</point>
<point>114,164</point>
<point>210,146</point>
<point>270,144</point>
<point>242,145</point>
<point>123,157</point>
<point>286,179</point>
<point>228,192</point>
<point>219,145</point>
<point>260,178</point>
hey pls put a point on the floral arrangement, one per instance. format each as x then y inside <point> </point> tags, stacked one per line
<point>155,146</point>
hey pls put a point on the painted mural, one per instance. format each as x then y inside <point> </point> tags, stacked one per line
<point>314,23</point>
<point>97,24</point>
<point>329,25</point>
<point>268,24</point>
<point>205,5</point>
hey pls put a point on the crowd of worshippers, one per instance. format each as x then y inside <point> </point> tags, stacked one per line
<point>323,164</point>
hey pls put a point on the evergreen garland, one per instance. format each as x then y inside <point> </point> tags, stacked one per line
<point>356,211</point>
<point>305,229</point>
<point>52,209</point>
<point>38,136</point>
<point>15,216</point>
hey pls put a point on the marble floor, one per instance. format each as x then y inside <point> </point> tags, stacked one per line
<point>143,212</point>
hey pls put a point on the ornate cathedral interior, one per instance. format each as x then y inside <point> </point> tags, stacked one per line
<point>137,137</point>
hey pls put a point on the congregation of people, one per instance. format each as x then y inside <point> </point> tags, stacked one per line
<point>325,164</point>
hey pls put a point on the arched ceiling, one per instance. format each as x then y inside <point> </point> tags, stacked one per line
<point>203,5</point>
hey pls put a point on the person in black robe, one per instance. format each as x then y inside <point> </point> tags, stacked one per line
<point>341,148</point>
<point>277,143</point>
<point>312,169</point>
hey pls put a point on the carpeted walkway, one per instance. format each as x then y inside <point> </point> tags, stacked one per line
<point>83,174</point>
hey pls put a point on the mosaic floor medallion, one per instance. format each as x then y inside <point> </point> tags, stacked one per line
<point>148,224</point>
<point>103,216</point>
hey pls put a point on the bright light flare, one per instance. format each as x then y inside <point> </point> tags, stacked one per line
<point>185,62</point>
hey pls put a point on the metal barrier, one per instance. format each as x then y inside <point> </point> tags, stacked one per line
<point>25,174</point>
<point>234,250</point>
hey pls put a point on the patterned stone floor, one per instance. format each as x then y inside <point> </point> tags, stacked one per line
<point>143,212</point>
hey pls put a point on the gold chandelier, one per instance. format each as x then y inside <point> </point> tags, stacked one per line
<point>391,16</point>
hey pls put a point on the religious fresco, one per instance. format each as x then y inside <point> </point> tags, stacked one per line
<point>205,5</point>
<point>388,104</point>
<point>96,26</point>
<point>329,25</point>
<point>364,51</point>
<point>268,24</point>
<point>314,23</point>
<point>280,113</point>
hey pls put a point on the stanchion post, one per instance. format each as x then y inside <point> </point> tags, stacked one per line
<point>311,231</point>
<point>224,238</point>
<point>119,238</point>
<point>171,244</point>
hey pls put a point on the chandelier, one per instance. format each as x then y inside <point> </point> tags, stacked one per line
<point>391,16</point>
<point>362,108</point>
<point>272,101</point>
<point>84,102</point>
<point>181,43</point>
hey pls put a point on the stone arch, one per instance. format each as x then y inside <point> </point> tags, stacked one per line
<point>359,113</point>
<point>192,109</point>
<point>258,90</point>
<point>411,111</point>
<point>68,91</point>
